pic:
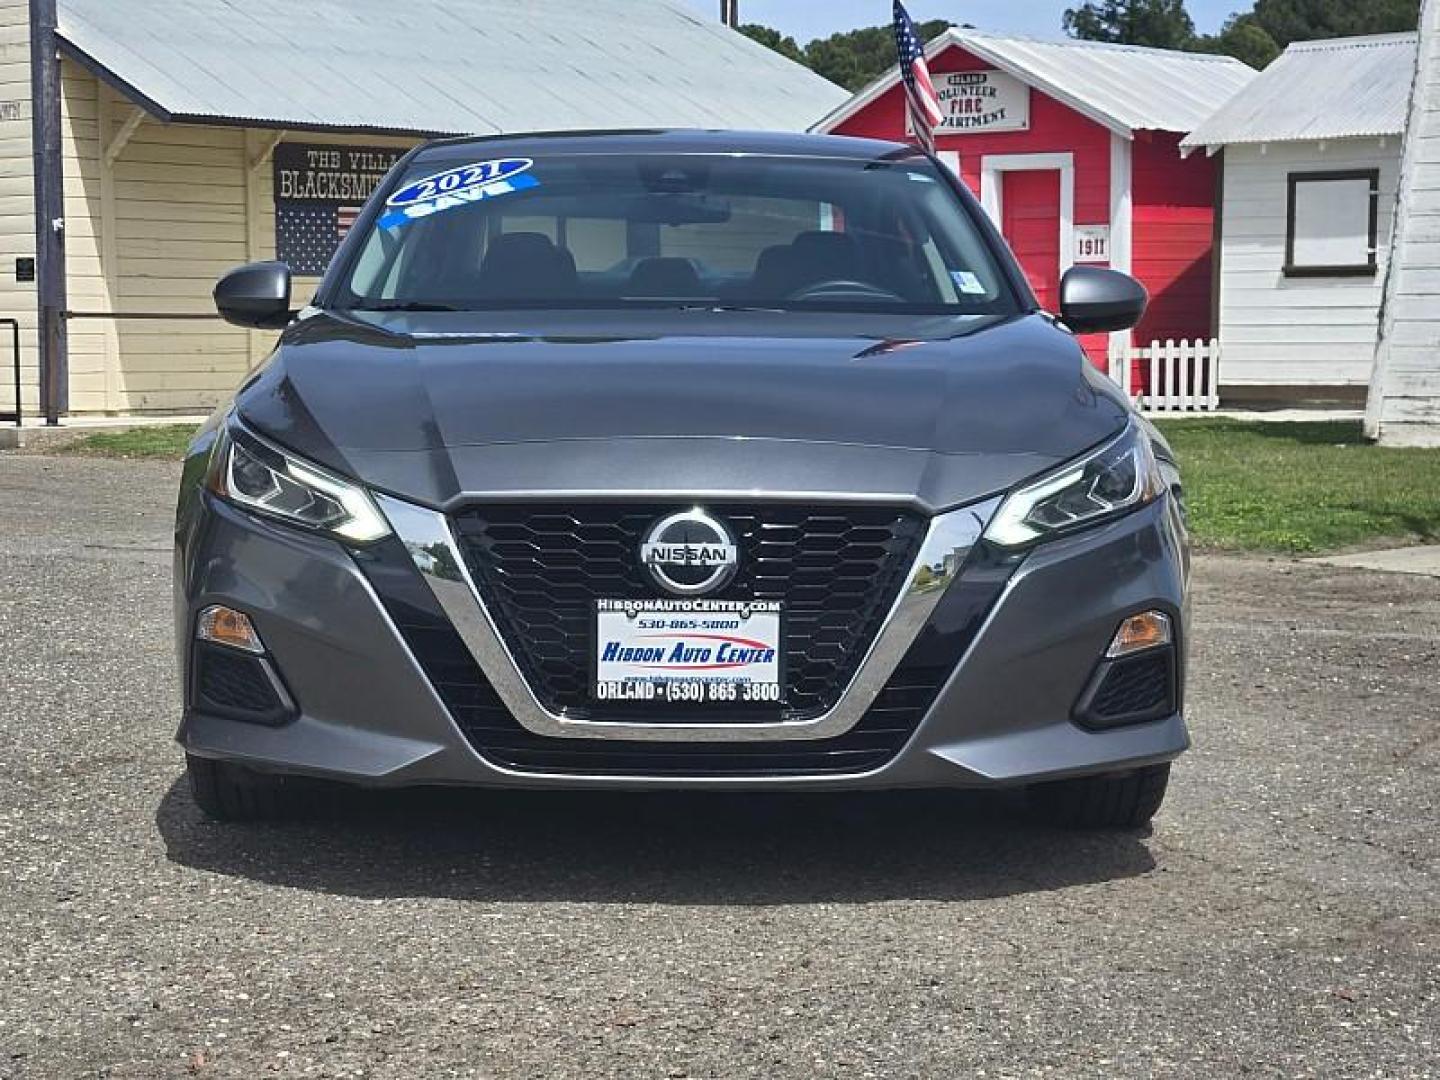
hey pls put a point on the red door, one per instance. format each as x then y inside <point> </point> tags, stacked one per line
<point>1030,221</point>
<point>1030,213</point>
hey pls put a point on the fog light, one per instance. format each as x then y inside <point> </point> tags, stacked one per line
<point>226,626</point>
<point>1140,632</point>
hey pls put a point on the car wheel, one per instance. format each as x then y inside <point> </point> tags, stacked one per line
<point>229,792</point>
<point>1116,801</point>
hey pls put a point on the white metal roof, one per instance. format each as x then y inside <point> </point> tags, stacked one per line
<point>441,66</point>
<point>1124,87</point>
<point>1331,89</point>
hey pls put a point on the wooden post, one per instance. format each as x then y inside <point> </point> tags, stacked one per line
<point>259,149</point>
<point>1214,369</point>
<point>49,211</point>
<point>109,242</point>
<point>1152,391</point>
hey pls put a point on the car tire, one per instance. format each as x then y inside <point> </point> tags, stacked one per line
<point>225,791</point>
<point>1114,801</point>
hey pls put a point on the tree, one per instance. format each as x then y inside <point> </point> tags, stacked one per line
<point>1161,24</point>
<point>1255,37</point>
<point>856,57</point>
<point>1243,38</point>
<point>1259,35</point>
<point>787,47</point>
<point>1305,20</point>
<point>851,59</point>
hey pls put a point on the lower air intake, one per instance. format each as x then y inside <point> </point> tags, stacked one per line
<point>1131,690</point>
<point>239,687</point>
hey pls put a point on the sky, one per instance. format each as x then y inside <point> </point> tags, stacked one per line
<point>807,19</point>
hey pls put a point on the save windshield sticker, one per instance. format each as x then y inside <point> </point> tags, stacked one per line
<point>458,187</point>
<point>967,282</point>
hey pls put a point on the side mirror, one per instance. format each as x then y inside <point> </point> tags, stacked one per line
<point>256,296</point>
<point>1094,300</point>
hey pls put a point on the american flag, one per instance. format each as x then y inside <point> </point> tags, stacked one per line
<point>307,234</point>
<point>922,107</point>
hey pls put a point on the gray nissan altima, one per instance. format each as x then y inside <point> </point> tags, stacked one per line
<point>692,460</point>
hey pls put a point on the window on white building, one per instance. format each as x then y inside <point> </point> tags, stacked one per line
<point>1331,224</point>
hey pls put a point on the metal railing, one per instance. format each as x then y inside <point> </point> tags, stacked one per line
<point>142,316</point>
<point>18,414</point>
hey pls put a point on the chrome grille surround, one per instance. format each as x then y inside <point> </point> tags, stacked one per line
<point>432,545</point>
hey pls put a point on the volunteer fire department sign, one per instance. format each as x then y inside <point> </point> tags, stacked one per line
<point>319,190</point>
<point>975,101</point>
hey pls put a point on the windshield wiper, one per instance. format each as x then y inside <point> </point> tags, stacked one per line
<point>405,305</point>
<point>743,308</point>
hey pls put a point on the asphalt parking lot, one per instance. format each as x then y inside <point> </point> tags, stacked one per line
<point>1282,919</point>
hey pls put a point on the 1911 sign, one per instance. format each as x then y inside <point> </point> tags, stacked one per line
<point>1092,243</point>
<point>974,101</point>
<point>319,190</point>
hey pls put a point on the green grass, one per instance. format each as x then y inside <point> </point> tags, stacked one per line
<point>1302,487</point>
<point>1250,486</point>
<point>161,441</point>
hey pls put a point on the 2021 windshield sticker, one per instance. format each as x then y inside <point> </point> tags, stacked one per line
<point>458,187</point>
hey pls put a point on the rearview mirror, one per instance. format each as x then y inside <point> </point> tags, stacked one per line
<point>678,209</point>
<point>1094,300</point>
<point>256,296</point>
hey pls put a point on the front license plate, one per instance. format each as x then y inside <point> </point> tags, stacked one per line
<point>677,651</point>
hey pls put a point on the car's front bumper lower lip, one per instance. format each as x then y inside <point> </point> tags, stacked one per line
<point>370,715</point>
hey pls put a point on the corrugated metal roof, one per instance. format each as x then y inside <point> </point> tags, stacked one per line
<point>1125,87</point>
<point>441,66</point>
<point>1320,90</point>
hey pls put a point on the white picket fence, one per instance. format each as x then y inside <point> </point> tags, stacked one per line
<point>1174,376</point>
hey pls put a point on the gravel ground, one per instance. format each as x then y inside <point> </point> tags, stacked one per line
<point>1281,920</point>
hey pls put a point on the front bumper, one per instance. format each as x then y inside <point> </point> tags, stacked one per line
<point>368,714</point>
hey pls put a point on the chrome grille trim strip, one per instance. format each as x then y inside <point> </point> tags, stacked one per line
<point>427,536</point>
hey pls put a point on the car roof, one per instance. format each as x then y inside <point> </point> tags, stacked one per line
<point>684,141</point>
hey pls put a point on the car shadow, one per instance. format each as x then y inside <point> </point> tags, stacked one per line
<point>656,848</point>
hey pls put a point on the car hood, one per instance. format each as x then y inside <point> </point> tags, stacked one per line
<point>937,412</point>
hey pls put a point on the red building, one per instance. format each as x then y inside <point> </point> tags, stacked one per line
<point>1073,149</point>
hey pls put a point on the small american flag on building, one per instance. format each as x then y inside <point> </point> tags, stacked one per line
<point>922,107</point>
<point>307,234</point>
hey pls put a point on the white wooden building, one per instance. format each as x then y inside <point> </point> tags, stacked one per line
<point>1310,161</point>
<point>1404,406</point>
<point>199,135</point>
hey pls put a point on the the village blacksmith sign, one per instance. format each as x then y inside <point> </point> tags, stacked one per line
<point>975,101</point>
<point>319,190</point>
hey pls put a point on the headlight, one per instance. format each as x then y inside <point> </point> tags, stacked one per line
<point>261,477</point>
<point>1119,477</point>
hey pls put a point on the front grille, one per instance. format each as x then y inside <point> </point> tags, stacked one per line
<point>237,686</point>
<point>501,740</point>
<point>541,569</point>
<point>1131,691</point>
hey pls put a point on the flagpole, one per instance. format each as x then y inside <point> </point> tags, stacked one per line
<point>922,106</point>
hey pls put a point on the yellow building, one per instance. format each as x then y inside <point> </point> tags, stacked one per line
<point>202,135</point>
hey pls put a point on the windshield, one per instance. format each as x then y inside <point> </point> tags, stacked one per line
<point>612,231</point>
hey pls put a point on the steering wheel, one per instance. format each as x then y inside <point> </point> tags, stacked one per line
<point>844,289</point>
